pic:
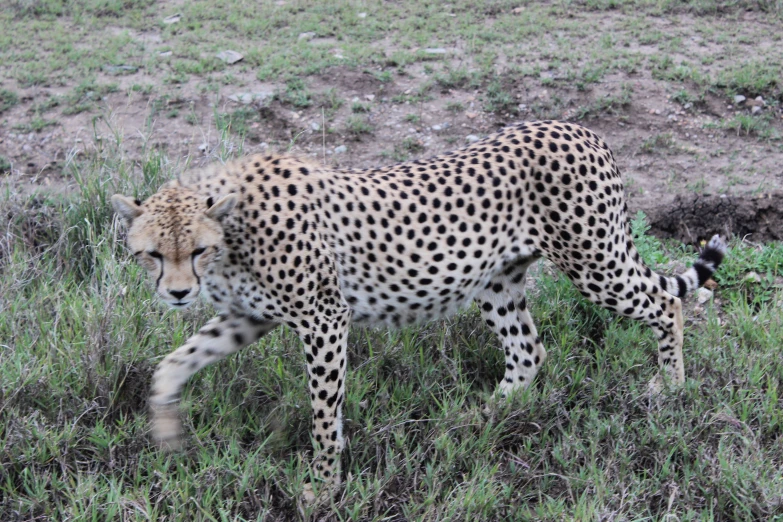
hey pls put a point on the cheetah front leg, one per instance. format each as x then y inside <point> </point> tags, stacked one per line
<point>220,337</point>
<point>325,343</point>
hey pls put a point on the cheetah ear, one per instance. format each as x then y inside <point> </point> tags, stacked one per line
<point>223,206</point>
<point>126,207</point>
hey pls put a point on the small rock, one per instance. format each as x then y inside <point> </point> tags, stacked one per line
<point>246,98</point>
<point>306,36</point>
<point>165,53</point>
<point>687,106</point>
<point>471,115</point>
<point>369,97</point>
<point>703,295</point>
<point>362,15</point>
<point>314,125</point>
<point>755,109</point>
<point>436,127</point>
<point>739,99</point>
<point>435,50</point>
<point>229,56</point>
<point>295,115</point>
<point>517,10</point>
<point>120,69</point>
<point>203,147</point>
<point>412,130</point>
<point>522,107</point>
<point>752,277</point>
<point>658,112</point>
<point>472,138</point>
<point>710,284</point>
<point>341,149</point>
<point>173,19</point>
<point>26,148</point>
<point>760,100</point>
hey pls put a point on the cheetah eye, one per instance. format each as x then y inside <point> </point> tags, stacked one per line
<point>198,251</point>
<point>155,254</point>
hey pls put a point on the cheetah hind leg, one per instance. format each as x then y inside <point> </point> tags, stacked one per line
<point>504,308</point>
<point>663,313</point>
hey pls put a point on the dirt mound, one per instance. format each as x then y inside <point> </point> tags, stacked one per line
<point>693,217</point>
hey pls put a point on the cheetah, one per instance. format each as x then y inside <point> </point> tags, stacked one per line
<point>274,239</point>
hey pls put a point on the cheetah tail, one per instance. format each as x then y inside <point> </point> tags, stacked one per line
<point>708,262</point>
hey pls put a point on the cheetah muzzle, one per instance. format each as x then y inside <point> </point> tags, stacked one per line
<point>274,239</point>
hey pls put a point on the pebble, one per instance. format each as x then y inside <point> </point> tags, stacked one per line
<point>755,109</point>
<point>752,277</point>
<point>369,97</point>
<point>435,50</point>
<point>340,149</point>
<point>471,115</point>
<point>362,15</point>
<point>246,98</point>
<point>314,126</point>
<point>436,127</point>
<point>703,295</point>
<point>173,19</point>
<point>306,36</point>
<point>229,56</point>
<point>739,98</point>
<point>472,138</point>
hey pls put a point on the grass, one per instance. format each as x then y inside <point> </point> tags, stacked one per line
<point>82,333</point>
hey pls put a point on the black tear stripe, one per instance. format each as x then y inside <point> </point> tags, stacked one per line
<point>193,267</point>
<point>157,283</point>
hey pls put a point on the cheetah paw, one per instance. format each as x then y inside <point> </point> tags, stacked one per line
<point>166,429</point>
<point>324,494</point>
<point>656,385</point>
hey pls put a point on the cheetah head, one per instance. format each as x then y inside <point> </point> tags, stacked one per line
<point>176,235</point>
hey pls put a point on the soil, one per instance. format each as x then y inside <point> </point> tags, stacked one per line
<point>692,178</point>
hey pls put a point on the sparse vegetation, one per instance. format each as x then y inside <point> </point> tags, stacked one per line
<point>358,125</point>
<point>659,144</point>
<point>8,99</point>
<point>498,99</point>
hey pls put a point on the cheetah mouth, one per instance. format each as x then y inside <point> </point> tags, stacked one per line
<point>180,305</point>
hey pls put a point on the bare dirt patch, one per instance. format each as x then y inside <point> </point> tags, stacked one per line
<point>691,218</point>
<point>677,147</point>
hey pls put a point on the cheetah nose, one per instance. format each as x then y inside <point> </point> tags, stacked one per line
<point>179,294</point>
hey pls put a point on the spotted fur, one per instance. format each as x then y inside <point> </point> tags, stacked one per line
<point>274,239</point>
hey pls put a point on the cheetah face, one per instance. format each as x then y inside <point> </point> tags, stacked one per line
<point>175,235</point>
